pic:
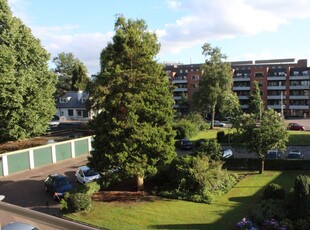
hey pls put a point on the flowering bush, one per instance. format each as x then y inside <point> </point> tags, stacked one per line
<point>245,224</point>
<point>273,225</point>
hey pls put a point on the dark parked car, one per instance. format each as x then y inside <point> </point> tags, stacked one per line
<point>57,184</point>
<point>273,154</point>
<point>184,144</point>
<point>294,154</point>
<point>295,126</point>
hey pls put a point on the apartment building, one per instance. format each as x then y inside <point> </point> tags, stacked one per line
<point>284,83</point>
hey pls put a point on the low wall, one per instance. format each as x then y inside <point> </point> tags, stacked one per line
<point>31,158</point>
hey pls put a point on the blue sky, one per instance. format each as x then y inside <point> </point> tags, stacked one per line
<point>243,29</point>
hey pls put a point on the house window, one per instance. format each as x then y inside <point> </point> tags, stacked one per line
<point>79,112</point>
<point>258,74</point>
<point>85,113</point>
<point>62,100</point>
<point>70,112</point>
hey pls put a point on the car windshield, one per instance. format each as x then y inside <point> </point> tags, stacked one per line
<point>90,172</point>
<point>272,155</point>
<point>61,182</point>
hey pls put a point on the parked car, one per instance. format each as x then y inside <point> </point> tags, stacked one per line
<point>184,144</point>
<point>294,154</point>
<point>273,154</point>
<point>54,122</point>
<point>18,226</point>
<point>295,126</point>
<point>219,124</point>
<point>84,175</point>
<point>227,153</point>
<point>57,184</point>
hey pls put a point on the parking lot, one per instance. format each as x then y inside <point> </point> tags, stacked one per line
<point>26,189</point>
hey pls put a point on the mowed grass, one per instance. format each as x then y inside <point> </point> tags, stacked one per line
<point>295,138</point>
<point>176,214</point>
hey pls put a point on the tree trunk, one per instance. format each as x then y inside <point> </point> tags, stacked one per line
<point>140,183</point>
<point>213,115</point>
<point>261,170</point>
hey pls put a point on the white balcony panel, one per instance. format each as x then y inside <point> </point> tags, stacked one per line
<point>278,87</point>
<point>180,90</point>
<point>243,97</point>
<point>275,97</point>
<point>300,97</point>
<point>299,106</point>
<point>179,81</point>
<point>299,86</point>
<point>300,77</point>
<point>242,79</point>
<point>177,97</point>
<point>278,78</point>
<point>244,106</point>
<point>241,88</point>
<point>175,106</point>
<point>274,106</point>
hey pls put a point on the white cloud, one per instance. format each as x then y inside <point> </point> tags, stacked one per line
<point>221,19</point>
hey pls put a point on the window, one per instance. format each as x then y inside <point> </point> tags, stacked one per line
<point>85,113</point>
<point>258,74</point>
<point>70,112</point>
<point>62,100</point>
<point>79,112</point>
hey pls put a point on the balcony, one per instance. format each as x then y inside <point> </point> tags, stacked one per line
<point>182,81</point>
<point>275,97</point>
<point>274,78</point>
<point>276,87</point>
<point>301,97</point>
<point>299,86</point>
<point>239,79</point>
<point>177,98</point>
<point>274,106</point>
<point>298,106</point>
<point>241,88</point>
<point>299,77</point>
<point>180,90</point>
<point>244,106</point>
<point>243,97</point>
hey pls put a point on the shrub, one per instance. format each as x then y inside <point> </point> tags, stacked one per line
<point>77,202</point>
<point>90,188</point>
<point>301,186</point>
<point>245,224</point>
<point>274,191</point>
<point>273,225</point>
<point>220,136</point>
<point>302,224</point>
<point>267,210</point>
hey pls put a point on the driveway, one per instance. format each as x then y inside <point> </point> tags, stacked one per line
<point>26,189</point>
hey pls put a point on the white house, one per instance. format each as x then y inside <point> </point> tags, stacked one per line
<point>72,106</point>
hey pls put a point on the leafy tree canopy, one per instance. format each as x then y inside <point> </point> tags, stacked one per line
<point>216,81</point>
<point>26,84</point>
<point>256,104</point>
<point>134,128</point>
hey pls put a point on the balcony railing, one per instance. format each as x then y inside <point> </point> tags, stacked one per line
<point>239,88</point>
<point>304,97</point>
<point>298,106</point>
<point>276,87</point>
<point>299,86</point>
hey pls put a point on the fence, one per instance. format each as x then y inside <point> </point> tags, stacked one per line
<point>31,158</point>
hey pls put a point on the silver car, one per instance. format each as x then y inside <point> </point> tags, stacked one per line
<point>18,226</point>
<point>85,175</point>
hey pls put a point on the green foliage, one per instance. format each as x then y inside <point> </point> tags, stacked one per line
<point>198,179</point>
<point>220,136</point>
<point>216,80</point>
<point>267,210</point>
<point>185,128</point>
<point>71,73</point>
<point>77,202</point>
<point>301,187</point>
<point>210,148</point>
<point>133,131</point>
<point>90,188</point>
<point>274,191</point>
<point>26,84</point>
<point>259,137</point>
<point>256,103</point>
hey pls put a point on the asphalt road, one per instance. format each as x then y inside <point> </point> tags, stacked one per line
<point>26,189</point>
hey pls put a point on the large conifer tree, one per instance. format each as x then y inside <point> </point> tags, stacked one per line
<point>134,127</point>
<point>26,84</point>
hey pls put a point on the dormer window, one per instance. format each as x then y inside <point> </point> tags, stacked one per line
<point>63,100</point>
<point>83,99</point>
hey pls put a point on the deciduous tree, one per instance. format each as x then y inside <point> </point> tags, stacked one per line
<point>26,84</point>
<point>259,137</point>
<point>216,81</point>
<point>134,127</point>
<point>256,104</point>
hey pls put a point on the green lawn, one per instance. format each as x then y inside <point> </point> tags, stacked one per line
<point>175,214</point>
<point>295,137</point>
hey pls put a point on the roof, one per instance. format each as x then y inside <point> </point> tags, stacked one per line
<point>74,100</point>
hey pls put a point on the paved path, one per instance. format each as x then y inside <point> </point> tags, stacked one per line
<point>26,189</point>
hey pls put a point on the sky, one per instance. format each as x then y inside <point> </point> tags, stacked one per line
<point>243,29</point>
